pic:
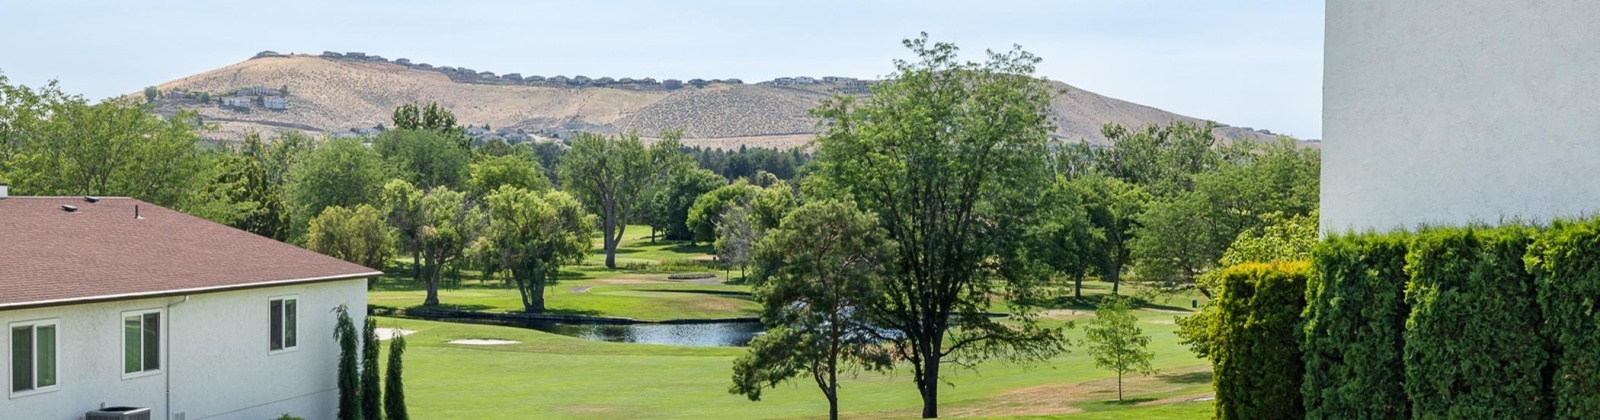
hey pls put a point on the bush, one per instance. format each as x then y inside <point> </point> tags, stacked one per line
<point>1472,347</point>
<point>1564,263</point>
<point>1255,352</point>
<point>1355,323</point>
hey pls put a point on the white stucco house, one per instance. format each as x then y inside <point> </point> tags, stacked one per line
<point>117,302</point>
<point>1450,112</point>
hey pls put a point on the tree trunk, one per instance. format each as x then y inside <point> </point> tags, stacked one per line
<point>1077,287</point>
<point>1119,386</point>
<point>930,388</point>
<point>611,234</point>
<point>532,289</point>
<point>432,284</point>
<point>1116,279</point>
<point>416,264</point>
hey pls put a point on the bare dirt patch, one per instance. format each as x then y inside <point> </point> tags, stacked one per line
<point>484,342</point>
<point>1059,398</point>
<point>578,289</point>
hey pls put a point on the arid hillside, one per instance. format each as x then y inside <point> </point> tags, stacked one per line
<point>338,93</point>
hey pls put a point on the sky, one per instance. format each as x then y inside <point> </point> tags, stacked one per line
<point>1255,63</point>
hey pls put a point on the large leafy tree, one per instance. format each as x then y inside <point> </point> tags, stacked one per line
<point>1066,238</point>
<point>533,233</point>
<point>950,155</point>
<point>426,158</point>
<point>611,174</point>
<point>829,258</point>
<point>518,171</point>
<point>62,145</point>
<point>402,204</point>
<point>339,172</point>
<point>446,224</point>
<point>704,214</point>
<point>431,117</point>
<point>356,235</point>
<point>246,180</point>
<point>671,201</point>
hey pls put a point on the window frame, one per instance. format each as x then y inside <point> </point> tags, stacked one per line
<point>283,332</point>
<point>161,334</point>
<point>33,328</point>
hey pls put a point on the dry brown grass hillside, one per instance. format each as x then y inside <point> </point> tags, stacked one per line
<point>336,95</point>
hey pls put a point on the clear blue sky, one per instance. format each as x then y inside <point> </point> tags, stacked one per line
<point>1249,63</point>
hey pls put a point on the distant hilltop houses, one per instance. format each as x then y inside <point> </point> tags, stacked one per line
<point>847,85</point>
<point>243,99</point>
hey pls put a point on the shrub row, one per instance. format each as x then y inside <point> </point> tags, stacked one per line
<point>1453,323</point>
<point>1255,348</point>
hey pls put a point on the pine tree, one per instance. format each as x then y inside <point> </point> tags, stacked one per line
<point>371,396</point>
<point>394,392</point>
<point>349,376</point>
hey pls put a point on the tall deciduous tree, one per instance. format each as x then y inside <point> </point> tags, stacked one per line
<point>356,235</point>
<point>950,155</point>
<point>426,158</point>
<point>703,215</point>
<point>1116,342</point>
<point>671,202</point>
<point>62,145</point>
<point>402,204</point>
<point>610,176</point>
<point>1067,240</point>
<point>829,259</point>
<point>431,117</point>
<point>445,226</point>
<point>339,172</point>
<point>517,171</point>
<point>533,234</point>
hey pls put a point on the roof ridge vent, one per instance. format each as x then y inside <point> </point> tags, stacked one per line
<point>91,199</point>
<point>69,208</point>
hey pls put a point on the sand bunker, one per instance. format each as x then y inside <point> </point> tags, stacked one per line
<point>389,333</point>
<point>484,342</point>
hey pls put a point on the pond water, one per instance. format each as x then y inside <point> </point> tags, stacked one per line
<point>720,334</point>
<point>716,334</point>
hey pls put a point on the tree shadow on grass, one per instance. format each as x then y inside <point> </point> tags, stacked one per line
<point>1090,302</point>
<point>1125,402</point>
<point>1203,377</point>
<point>569,312</point>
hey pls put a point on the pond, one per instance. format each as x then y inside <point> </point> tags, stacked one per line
<point>710,334</point>
<point>718,334</point>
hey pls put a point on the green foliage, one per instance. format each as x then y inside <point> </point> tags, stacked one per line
<point>1185,233</point>
<point>1472,343</point>
<point>402,206</point>
<point>371,394</point>
<point>736,236</point>
<point>534,234</point>
<point>828,258</point>
<point>950,156</point>
<point>1284,239</point>
<point>1563,260</point>
<point>63,146</point>
<point>432,118</point>
<point>394,389</point>
<point>1162,159</point>
<point>748,162</point>
<point>338,172</point>
<point>445,226</point>
<point>1116,342</point>
<point>286,416</point>
<point>349,372</point>
<point>668,209</point>
<point>1354,328</point>
<point>1257,365</point>
<point>359,235</point>
<point>247,180</point>
<point>708,207</point>
<point>611,174</point>
<point>151,93</point>
<point>1064,237</point>
<point>510,170</point>
<point>1113,207</point>
<point>426,158</point>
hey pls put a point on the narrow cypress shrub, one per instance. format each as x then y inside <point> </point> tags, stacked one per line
<point>1355,321</point>
<point>394,391</point>
<point>1255,353</point>
<point>1472,348</point>
<point>371,396</point>
<point>1565,260</point>
<point>349,376</point>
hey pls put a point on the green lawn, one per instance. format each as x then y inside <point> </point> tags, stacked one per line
<point>552,376</point>
<point>642,296</point>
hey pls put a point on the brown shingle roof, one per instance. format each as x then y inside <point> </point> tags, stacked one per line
<point>50,256</point>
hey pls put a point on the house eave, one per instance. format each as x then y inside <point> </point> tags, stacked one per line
<point>181,292</point>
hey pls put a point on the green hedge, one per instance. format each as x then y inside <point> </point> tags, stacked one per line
<point>1472,345</point>
<point>1565,260</point>
<point>1255,354</point>
<point>1354,325</point>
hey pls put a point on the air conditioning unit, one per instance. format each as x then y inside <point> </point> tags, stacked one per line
<point>118,413</point>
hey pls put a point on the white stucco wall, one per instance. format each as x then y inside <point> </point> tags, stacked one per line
<point>218,358</point>
<point>1459,111</point>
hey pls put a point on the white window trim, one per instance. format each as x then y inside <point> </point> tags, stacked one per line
<point>161,348</point>
<point>54,322</point>
<point>286,348</point>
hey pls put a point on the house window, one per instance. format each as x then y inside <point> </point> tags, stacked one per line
<point>283,311</point>
<point>33,356</point>
<point>141,342</point>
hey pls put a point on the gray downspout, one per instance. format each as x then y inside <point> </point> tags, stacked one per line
<point>166,349</point>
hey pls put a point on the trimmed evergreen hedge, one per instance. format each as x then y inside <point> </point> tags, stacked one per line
<point>1355,320</point>
<point>1255,354</point>
<point>1565,260</point>
<point>1472,346</point>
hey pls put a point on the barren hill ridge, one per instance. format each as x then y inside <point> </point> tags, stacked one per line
<point>343,92</point>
